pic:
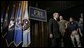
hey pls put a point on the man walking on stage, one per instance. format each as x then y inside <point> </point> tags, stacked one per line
<point>54,30</point>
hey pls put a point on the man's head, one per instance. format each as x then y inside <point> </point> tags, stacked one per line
<point>81,15</point>
<point>61,17</point>
<point>55,15</point>
<point>71,19</point>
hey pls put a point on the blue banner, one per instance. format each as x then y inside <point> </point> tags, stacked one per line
<point>10,33</point>
<point>18,29</point>
<point>26,29</point>
<point>5,23</point>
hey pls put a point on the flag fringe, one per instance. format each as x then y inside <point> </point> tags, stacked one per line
<point>17,44</point>
<point>9,43</point>
<point>4,35</point>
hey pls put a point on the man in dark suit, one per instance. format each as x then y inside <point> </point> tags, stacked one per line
<point>54,31</point>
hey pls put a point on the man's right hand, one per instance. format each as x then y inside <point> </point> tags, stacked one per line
<point>51,35</point>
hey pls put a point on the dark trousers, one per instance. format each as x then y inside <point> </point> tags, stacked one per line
<point>56,42</point>
<point>67,40</point>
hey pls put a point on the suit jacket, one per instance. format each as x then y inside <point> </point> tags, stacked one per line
<point>54,28</point>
